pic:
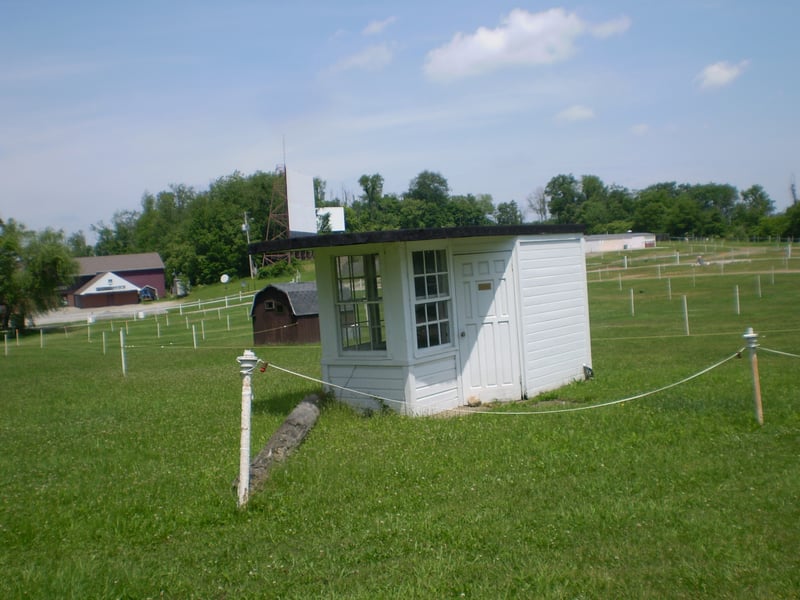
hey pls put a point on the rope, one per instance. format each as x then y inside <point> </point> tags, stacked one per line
<point>636,397</point>
<point>736,354</point>
<point>320,381</point>
<point>779,352</point>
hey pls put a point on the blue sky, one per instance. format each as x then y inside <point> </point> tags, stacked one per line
<point>103,101</point>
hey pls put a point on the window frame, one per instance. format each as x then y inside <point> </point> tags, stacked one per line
<point>363,311</point>
<point>429,269</point>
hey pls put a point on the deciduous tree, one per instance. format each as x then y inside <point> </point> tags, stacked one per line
<point>508,213</point>
<point>34,267</point>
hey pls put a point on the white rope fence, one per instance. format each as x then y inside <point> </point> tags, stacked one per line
<point>333,385</point>
<point>612,402</point>
<point>736,354</point>
<point>779,352</point>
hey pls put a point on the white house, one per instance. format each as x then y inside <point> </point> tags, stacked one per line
<point>434,319</point>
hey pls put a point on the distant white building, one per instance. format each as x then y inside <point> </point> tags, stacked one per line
<point>615,242</point>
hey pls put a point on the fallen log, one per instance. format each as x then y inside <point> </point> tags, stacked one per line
<point>283,442</point>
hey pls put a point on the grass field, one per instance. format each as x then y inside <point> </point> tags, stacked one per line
<point>120,486</point>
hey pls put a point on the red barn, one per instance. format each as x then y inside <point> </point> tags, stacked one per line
<point>144,271</point>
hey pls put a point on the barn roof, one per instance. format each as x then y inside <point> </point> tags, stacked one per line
<point>302,297</point>
<point>91,265</point>
<point>407,235</point>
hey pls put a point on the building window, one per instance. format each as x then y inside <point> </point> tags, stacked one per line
<point>432,298</point>
<point>359,302</point>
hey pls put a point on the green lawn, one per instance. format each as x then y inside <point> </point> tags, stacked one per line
<point>121,487</point>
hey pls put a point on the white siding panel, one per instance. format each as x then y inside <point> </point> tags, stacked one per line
<point>436,385</point>
<point>555,324</point>
<point>379,380</point>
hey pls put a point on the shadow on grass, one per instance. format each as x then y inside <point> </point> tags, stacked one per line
<point>280,404</point>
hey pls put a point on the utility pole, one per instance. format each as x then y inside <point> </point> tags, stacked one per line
<point>246,229</point>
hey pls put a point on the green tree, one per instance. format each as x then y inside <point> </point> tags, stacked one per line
<point>319,191</point>
<point>793,225</point>
<point>716,202</point>
<point>683,217</point>
<point>11,234</point>
<point>508,213</point>
<point>119,237</point>
<point>425,202</point>
<point>429,187</point>
<point>35,266</point>
<point>78,246</point>
<point>620,204</point>
<point>564,198</point>
<point>593,211</point>
<point>373,188</point>
<point>754,206</point>
<point>467,211</point>
<point>650,207</point>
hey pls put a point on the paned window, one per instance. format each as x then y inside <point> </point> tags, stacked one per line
<point>432,298</point>
<point>359,302</point>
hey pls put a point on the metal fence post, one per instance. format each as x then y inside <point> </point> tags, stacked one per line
<point>752,343</point>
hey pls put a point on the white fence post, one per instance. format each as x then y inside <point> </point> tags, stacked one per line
<point>247,364</point>
<point>685,315</point>
<point>122,351</point>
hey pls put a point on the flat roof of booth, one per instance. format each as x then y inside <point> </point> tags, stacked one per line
<point>408,235</point>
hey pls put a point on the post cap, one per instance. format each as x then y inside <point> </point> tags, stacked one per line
<point>751,338</point>
<point>247,362</point>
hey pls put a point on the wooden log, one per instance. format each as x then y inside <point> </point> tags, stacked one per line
<point>283,442</point>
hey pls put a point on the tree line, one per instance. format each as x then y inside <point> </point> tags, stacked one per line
<point>201,234</point>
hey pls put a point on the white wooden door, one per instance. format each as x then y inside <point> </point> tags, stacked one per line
<point>487,327</point>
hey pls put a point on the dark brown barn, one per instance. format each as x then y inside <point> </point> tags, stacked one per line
<point>285,313</point>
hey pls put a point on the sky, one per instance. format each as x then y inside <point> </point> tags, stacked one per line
<point>102,102</point>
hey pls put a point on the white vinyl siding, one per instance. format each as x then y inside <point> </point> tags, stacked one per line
<point>555,316</point>
<point>435,385</point>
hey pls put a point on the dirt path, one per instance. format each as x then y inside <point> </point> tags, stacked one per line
<point>70,314</point>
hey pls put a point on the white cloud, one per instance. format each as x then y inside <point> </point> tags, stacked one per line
<point>376,27</point>
<point>721,74</point>
<point>640,129</point>
<point>609,28</point>
<point>522,38</point>
<point>373,58</point>
<point>576,112</point>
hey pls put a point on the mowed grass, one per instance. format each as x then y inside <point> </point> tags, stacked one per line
<point>120,487</point>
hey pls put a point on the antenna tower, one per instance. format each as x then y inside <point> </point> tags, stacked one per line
<point>277,217</point>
